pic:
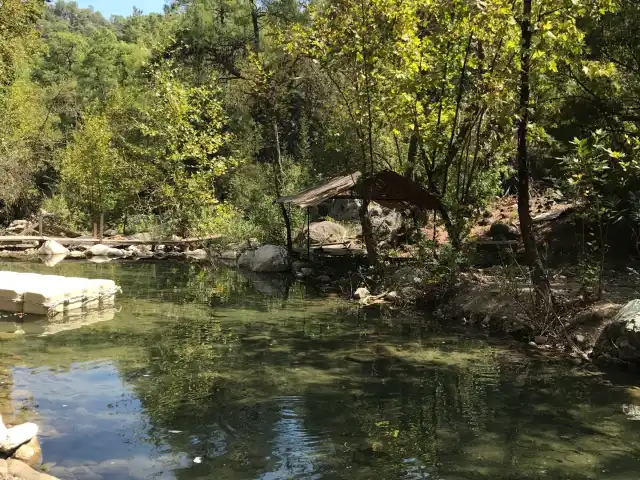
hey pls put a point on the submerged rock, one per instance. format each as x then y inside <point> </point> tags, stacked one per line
<point>13,469</point>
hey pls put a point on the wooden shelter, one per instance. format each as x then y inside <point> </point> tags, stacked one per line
<point>387,188</point>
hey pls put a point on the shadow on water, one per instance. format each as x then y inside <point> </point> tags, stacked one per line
<point>256,378</point>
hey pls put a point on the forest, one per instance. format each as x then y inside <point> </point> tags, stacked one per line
<point>191,122</point>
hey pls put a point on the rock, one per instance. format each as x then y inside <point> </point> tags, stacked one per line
<point>391,296</point>
<point>199,254</point>
<point>269,258</point>
<point>631,411</point>
<point>105,251</point>
<point>361,293</point>
<point>387,226</point>
<point>324,232</point>
<point>375,210</point>
<point>620,340</point>
<point>20,470</point>
<point>144,236</point>
<point>533,344</point>
<point>12,438</point>
<point>110,233</point>
<point>408,276</point>
<point>306,271</point>
<point>345,210</point>
<point>323,278</point>
<point>229,255</point>
<point>77,254</point>
<point>362,357</point>
<point>503,231</point>
<point>579,339</point>
<point>244,260</point>
<point>29,453</point>
<point>51,247</point>
<point>541,340</point>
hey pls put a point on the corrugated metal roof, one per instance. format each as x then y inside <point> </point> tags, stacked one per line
<point>316,195</point>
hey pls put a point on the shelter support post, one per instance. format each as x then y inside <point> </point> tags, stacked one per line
<point>308,233</point>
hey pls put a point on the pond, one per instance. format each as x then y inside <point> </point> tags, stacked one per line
<point>202,373</point>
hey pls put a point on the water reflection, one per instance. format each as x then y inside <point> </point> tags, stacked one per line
<point>208,364</point>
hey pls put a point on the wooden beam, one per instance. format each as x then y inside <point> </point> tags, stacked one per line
<point>13,239</point>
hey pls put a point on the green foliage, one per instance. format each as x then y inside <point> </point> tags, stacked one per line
<point>251,192</point>
<point>93,175</point>
<point>602,182</point>
<point>182,126</point>
<point>17,33</point>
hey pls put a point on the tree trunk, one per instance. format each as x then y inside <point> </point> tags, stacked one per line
<point>367,232</point>
<point>256,26</point>
<point>278,176</point>
<point>538,275</point>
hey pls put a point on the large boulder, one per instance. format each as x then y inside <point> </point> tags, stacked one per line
<point>51,247</point>
<point>245,259</point>
<point>325,232</point>
<point>269,258</point>
<point>620,340</point>
<point>503,231</point>
<point>345,210</point>
<point>388,224</point>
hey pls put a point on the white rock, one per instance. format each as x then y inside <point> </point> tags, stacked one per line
<point>105,251</point>
<point>199,254</point>
<point>51,247</point>
<point>361,293</point>
<point>12,438</point>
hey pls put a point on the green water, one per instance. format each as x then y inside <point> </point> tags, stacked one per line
<point>203,373</point>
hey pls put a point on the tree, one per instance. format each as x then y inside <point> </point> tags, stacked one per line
<point>17,21</point>
<point>558,41</point>
<point>93,175</point>
<point>183,134</point>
